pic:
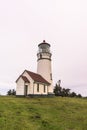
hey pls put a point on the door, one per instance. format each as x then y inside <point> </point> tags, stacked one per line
<point>25,90</point>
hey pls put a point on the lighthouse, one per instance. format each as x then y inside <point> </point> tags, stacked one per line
<point>40,83</point>
<point>44,67</point>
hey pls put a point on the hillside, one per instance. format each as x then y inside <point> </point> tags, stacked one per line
<point>43,113</point>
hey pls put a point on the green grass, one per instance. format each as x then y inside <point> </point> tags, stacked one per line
<point>43,113</point>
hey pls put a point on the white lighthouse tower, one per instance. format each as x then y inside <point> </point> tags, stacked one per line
<point>44,63</point>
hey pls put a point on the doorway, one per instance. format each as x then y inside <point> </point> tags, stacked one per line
<point>25,90</point>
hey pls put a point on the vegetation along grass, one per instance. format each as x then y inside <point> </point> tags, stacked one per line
<point>43,113</point>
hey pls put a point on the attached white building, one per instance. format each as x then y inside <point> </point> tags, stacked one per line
<point>40,83</point>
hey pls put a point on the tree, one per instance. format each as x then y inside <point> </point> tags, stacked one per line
<point>73,94</point>
<point>65,92</point>
<point>59,91</point>
<point>79,95</point>
<point>11,92</point>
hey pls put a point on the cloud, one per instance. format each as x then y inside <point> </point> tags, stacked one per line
<point>79,89</point>
<point>4,87</point>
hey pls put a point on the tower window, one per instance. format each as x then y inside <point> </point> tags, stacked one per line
<point>44,88</point>
<point>40,56</point>
<point>37,87</point>
<point>51,76</point>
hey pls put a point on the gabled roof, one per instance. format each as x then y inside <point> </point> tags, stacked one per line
<point>36,77</point>
<point>25,79</point>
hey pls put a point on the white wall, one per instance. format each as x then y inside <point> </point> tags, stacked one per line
<point>44,69</point>
<point>30,85</point>
<point>41,89</point>
<point>20,87</point>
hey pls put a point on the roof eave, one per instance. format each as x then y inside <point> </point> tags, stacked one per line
<point>42,83</point>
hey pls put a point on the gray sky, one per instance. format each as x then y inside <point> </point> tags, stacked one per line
<point>62,23</point>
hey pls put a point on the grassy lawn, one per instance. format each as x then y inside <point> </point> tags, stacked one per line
<point>43,113</point>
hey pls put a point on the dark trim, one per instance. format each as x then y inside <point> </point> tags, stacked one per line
<point>44,59</point>
<point>44,44</point>
<point>44,52</point>
<point>20,95</point>
<point>41,95</point>
<point>36,95</point>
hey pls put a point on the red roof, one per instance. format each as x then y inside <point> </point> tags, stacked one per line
<point>36,77</point>
<point>25,79</point>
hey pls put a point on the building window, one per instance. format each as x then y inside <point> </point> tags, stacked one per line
<point>44,88</point>
<point>37,87</point>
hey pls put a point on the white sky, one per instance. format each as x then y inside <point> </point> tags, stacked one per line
<point>62,23</point>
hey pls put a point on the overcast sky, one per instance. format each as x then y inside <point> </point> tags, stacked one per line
<point>26,23</point>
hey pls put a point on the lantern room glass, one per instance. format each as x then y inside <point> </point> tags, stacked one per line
<point>44,48</point>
